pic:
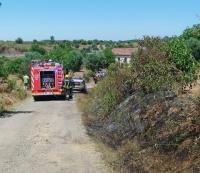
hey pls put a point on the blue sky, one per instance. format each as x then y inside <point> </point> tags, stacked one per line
<point>95,19</point>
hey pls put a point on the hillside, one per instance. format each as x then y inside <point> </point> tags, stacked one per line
<point>142,113</point>
<point>162,129</point>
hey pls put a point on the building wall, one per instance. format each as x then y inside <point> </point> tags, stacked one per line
<point>123,59</point>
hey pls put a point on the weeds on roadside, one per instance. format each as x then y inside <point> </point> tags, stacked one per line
<point>11,85</point>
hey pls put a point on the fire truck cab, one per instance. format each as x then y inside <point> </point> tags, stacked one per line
<point>46,79</point>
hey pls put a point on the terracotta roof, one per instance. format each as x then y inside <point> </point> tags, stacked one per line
<point>124,51</point>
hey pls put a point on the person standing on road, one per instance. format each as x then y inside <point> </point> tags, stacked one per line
<point>68,83</point>
<point>68,86</point>
<point>26,81</point>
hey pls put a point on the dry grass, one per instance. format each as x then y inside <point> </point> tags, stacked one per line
<point>108,155</point>
<point>170,143</point>
<point>10,95</point>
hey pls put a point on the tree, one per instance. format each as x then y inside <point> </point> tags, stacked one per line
<point>183,59</point>
<point>52,39</point>
<point>94,47</point>
<point>95,61</point>
<point>19,40</point>
<point>33,55</point>
<point>74,60</point>
<point>194,45</point>
<point>152,69</point>
<point>35,41</point>
<point>192,32</point>
<point>36,48</point>
<point>110,57</point>
<point>70,58</point>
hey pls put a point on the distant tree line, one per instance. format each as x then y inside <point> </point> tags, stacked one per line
<point>63,52</point>
<point>97,54</point>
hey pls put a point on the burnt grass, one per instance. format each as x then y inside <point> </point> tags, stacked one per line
<point>155,133</point>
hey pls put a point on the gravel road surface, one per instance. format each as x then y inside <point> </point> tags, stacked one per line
<point>47,137</point>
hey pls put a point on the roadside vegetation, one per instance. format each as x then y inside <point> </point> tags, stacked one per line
<point>11,92</point>
<point>141,112</point>
<point>16,56</point>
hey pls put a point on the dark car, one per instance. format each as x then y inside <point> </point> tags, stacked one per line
<point>79,85</point>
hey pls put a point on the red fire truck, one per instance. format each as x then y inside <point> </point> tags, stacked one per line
<point>46,79</point>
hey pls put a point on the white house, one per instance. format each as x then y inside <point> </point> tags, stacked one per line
<point>123,55</point>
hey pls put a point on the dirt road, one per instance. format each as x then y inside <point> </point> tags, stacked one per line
<point>47,137</point>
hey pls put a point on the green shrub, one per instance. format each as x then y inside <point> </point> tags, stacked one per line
<point>194,45</point>
<point>181,56</point>
<point>152,69</point>
<point>108,93</point>
<point>17,66</point>
<point>33,56</point>
<point>3,69</point>
<point>193,32</point>
<point>36,48</point>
